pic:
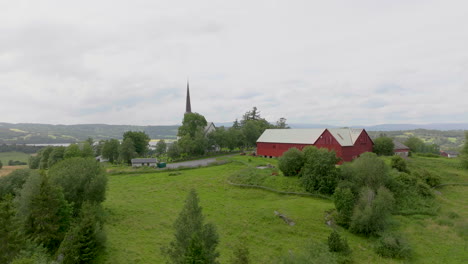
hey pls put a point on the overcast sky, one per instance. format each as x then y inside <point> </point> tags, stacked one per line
<point>322,62</point>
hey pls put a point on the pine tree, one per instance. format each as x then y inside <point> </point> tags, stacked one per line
<point>11,238</point>
<point>194,242</point>
<point>49,218</point>
<point>84,239</point>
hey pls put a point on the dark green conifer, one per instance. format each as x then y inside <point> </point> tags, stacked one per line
<point>11,238</point>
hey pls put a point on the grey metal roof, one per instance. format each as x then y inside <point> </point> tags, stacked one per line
<point>148,160</point>
<point>399,145</point>
<point>295,136</point>
<point>344,136</point>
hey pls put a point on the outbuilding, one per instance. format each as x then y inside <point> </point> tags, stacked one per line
<point>150,162</point>
<point>400,149</point>
<point>348,143</point>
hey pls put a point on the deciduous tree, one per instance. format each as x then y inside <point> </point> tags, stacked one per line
<point>161,147</point>
<point>127,151</point>
<point>110,150</point>
<point>383,146</point>
<point>140,141</point>
<point>319,172</point>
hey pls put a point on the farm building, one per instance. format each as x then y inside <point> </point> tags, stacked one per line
<point>449,154</point>
<point>144,162</point>
<point>348,143</point>
<point>400,149</point>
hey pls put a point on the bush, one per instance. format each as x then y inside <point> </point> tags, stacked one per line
<point>391,245</point>
<point>372,211</point>
<point>338,244</point>
<point>291,162</point>
<point>344,202</point>
<point>399,164</point>
<point>320,172</point>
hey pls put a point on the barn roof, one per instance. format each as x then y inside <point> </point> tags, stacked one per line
<point>294,136</point>
<point>399,145</point>
<point>344,136</point>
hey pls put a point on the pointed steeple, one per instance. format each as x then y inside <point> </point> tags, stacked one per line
<point>188,107</point>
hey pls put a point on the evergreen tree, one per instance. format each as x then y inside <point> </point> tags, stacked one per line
<point>84,239</point>
<point>11,238</point>
<point>49,218</point>
<point>194,241</point>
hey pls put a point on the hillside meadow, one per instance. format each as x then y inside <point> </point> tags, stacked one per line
<point>141,210</point>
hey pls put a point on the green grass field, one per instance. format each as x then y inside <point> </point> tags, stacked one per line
<point>142,208</point>
<point>20,156</point>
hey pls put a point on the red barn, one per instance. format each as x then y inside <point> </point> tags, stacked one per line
<point>348,143</point>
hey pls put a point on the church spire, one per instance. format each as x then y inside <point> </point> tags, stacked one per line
<point>188,107</point>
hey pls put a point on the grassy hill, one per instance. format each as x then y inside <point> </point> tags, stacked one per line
<point>143,207</point>
<point>44,133</point>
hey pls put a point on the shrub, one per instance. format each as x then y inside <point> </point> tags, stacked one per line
<point>383,146</point>
<point>319,172</point>
<point>391,245</point>
<point>291,162</point>
<point>399,164</point>
<point>338,244</point>
<point>372,211</point>
<point>344,202</point>
<point>240,254</point>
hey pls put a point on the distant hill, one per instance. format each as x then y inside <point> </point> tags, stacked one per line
<point>46,134</point>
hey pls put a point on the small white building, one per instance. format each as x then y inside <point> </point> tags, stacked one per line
<point>150,162</point>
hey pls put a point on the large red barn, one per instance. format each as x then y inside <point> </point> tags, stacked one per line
<point>348,143</point>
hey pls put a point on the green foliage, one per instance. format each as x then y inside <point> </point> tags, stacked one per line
<point>372,211</point>
<point>173,151</point>
<point>87,150</point>
<point>338,244</point>
<point>196,145</point>
<point>55,156</point>
<point>44,154</point>
<point>344,201</point>
<point>34,162</point>
<point>11,237</point>
<point>82,179</point>
<point>32,254</point>
<point>291,162</point>
<point>392,245</point>
<point>13,182</point>
<point>72,151</point>
<point>161,147</point>
<point>464,152</point>
<point>427,177</point>
<point>313,253</point>
<point>194,241</point>
<point>399,164</point>
<point>367,170</point>
<point>127,151</point>
<point>84,239</point>
<point>140,141</point>
<point>110,150</point>
<point>1,164</point>
<point>240,254</point>
<point>319,172</point>
<point>49,216</point>
<point>191,124</point>
<point>417,145</point>
<point>383,146</point>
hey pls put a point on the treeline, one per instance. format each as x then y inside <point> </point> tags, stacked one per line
<point>196,140</point>
<point>53,216</point>
<point>383,145</point>
<point>20,148</point>
<point>447,140</point>
<point>366,192</point>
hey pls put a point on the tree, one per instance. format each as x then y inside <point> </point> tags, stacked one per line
<point>338,244</point>
<point>1,164</point>
<point>84,238</point>
<point>82,179</point>
<point>110,150</point>
<point>194,242</point>
<point>291,162</point>
<point>127,151</point>
<point>87,150</point>
<point>372,211</point>
<point>49,216</point>
<point>252,129</point>
<point>415,144</point>
<point>281,123</point>
<point>344,200</point>
<point>34,161</point>
<point>44,154</point>
<point>383,146</point>
<point>191,124</point>
<point>193,146</point>
<point>173,151</point>
<point>140,141</point>
<point>161,147</point>
<point>13,182</point>
<point>319,172</point>
<point>72,151</point>
<point>464,152</point>
<point>55,156</point>
<point>11,238</point>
